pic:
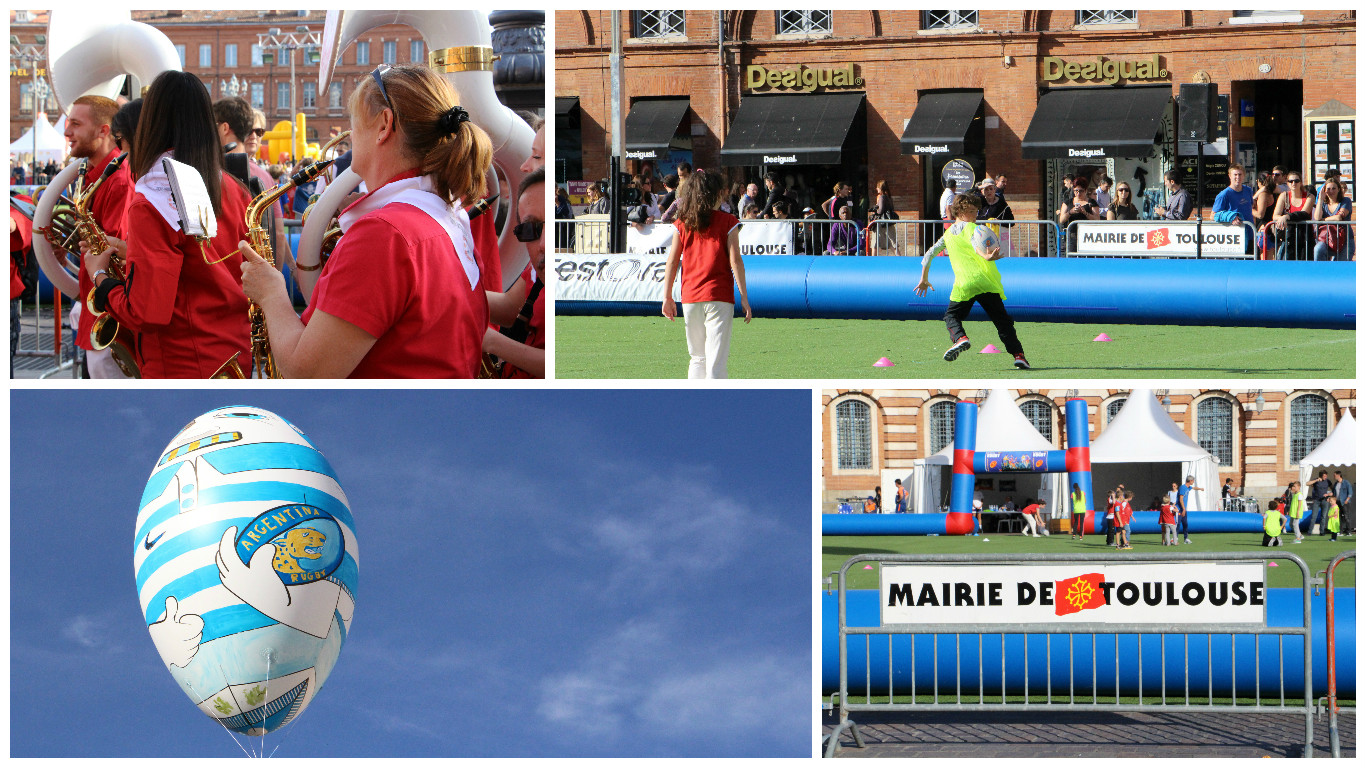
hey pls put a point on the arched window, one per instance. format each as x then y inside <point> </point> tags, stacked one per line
<point>1214,428</point>
<point>1308,425</point>
<point>854,435</point>
<point>941,425</point>
<point>1040,414</point>
<point>1113,407</point>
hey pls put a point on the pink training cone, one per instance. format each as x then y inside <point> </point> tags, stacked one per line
<point>989,349</point>
<point>883,363</point>
<point>1102,337</point>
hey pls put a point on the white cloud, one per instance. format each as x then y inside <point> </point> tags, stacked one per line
<point>637,681</point>
<point>85,631</point>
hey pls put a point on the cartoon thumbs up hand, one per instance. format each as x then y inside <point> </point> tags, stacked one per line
<point>177,635</point>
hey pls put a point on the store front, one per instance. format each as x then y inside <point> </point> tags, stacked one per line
<point>659,131</point>
<point>813,139</point>
<point>947,130</point>
<point>1123,132</point>
<point>568,139</point>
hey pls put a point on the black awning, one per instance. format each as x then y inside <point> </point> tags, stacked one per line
<point>789,129</point>
<point>565,104</point>
<point>1082,123</point>
<point>651,125</point>
<point>940,123</point>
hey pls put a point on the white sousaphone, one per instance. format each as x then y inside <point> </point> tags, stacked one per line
<point>461,45</point>
<point>90,50</point>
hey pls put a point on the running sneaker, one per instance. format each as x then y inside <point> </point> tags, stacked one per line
<point>963,345</point>
<point>1021,362</point>
<point>1188,539</point>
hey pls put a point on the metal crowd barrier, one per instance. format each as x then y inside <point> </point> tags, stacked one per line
<point>928,696</point>
<point>1331,631</point>
<point>587,234</point>
<point>1301,242</point>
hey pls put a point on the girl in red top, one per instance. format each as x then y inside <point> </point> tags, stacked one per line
<point>401,296</point>
<point>523,359</point>
<point>181,299</point>
<point>708,245</point>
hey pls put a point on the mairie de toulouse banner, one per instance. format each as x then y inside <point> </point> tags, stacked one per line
<point>1159,238</point>
<point>1074,593</point>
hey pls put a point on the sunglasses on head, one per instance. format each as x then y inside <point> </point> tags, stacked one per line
<point>528,231</point>
<point>378,74</point>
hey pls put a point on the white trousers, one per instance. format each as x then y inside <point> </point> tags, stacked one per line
<point>708,326</point>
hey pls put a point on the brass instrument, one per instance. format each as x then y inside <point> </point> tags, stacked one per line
<point>263,362</point>
<point>72,222</point>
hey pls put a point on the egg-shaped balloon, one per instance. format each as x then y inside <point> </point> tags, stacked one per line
<point>246,563</point>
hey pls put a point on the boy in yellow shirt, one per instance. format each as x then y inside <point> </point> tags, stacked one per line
<point>972,251</point>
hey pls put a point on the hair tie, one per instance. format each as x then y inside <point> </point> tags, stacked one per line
<point>450,120</point>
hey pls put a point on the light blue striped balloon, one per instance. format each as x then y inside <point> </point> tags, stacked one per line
<point>246,565</point>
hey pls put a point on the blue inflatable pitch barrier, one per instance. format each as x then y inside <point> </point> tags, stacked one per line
<point>1224,292</point>
<point>1201,521</point>
<point>1211,656</point>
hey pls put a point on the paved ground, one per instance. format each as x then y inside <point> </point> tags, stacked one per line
<point>1089,734</point>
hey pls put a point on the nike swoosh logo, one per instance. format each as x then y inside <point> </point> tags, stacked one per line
<point>152,542</point>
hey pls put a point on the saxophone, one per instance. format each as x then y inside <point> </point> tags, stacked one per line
<point>263,362</point>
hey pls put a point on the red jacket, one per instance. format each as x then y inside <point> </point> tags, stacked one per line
<point>188,316</point>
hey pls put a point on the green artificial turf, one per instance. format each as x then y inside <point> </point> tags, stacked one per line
<point>1316,551</point>
<point>652,347</point>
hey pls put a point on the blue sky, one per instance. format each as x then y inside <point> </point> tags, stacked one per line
<point>542,573</point>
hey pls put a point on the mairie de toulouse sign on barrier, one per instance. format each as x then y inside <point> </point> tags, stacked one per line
<point>1159,238</point>
<point>1074,593</point>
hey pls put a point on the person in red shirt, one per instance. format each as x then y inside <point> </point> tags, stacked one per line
<point>523,311</point>
<point>1033,516</point>
<point>1124,513</point>
<point>1166,518</point>
<point>401,296</point>
<point>181,298</point>
<point>89,134</point>
<point>708,245</point>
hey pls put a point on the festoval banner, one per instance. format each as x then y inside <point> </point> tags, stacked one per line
<point>1074,593</point>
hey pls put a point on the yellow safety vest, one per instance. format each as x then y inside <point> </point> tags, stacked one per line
<point>972,274</point>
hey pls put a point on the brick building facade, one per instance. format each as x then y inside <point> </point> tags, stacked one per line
<point>222,46</point>
<point>1259,441</point>
<point>1278,67</point>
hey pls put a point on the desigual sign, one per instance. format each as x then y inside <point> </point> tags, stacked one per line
<point>1102,70</point>
<point>804,78</point>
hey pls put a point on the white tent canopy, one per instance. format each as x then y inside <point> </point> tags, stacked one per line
<point>1337,451</point>
<point>51,144</point>
<point>1142,433</point>
<point>1001,426</point>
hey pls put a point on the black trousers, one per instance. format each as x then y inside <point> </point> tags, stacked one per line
<point>996,311</point>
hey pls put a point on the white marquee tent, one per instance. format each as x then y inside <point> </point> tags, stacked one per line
<point>51,144</point>
<point>1001,426</point>
<point>1338,451</point>
<point>1144,449</point>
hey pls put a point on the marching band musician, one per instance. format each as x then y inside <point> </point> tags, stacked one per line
<point>89,132</point>
<point>401,295</point>
<point>524,360</point>
<point>182,298</point>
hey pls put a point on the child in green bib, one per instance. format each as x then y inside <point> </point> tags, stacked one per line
<point>1333,522</point>
<point>972,251</point>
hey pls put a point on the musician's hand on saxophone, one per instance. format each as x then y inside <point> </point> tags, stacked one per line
<point>94,262</point>
<point>261,280</point>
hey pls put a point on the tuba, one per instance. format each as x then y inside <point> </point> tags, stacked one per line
<point>263,362</point>
<point>461,45</point>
